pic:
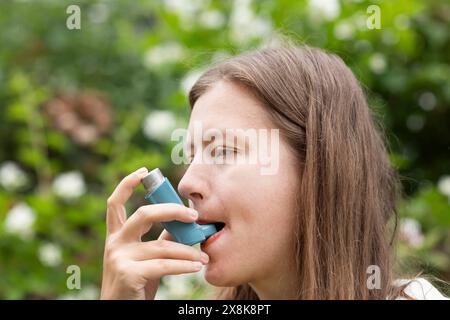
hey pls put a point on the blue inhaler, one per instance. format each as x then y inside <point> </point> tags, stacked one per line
<point>159,190</point>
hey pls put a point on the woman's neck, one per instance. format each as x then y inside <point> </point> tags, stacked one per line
<point>278,286</point>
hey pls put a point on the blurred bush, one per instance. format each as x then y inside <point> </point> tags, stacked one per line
<point>82,108</point>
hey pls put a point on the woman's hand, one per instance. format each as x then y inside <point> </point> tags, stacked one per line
<point>131,268</point>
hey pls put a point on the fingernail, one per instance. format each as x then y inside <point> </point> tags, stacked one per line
<point>193,213</point>
<point>204,258</point>
<point>141,170</point>
<point>197,265</point>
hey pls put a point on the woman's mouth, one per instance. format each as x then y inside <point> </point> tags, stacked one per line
<point>220,226</point>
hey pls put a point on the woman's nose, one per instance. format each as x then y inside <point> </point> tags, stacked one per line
<point>192,186</point>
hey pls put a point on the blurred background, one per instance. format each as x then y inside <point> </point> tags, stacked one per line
<point>81,108</point>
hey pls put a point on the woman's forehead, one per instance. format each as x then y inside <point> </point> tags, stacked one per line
<point>227,105</point>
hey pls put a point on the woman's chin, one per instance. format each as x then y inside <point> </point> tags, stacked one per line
<point>213,277</point>
<point>217,277</point>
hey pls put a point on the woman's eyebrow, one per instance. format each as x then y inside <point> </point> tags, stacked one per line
<point>229,134</point>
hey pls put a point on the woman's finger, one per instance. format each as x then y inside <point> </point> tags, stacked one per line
<point>157,268</point>
<point>165,249</point>
<point>116,214</point>
<point>165,235</point>
<point>139,223</point>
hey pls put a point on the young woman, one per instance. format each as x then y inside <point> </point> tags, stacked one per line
<point>318,228</point>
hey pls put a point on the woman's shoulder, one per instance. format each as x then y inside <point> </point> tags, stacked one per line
<point>420,289</point>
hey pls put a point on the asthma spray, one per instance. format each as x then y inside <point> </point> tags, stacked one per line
<point>160,190</point>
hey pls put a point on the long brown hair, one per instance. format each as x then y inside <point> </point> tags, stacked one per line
<point>348,188</point>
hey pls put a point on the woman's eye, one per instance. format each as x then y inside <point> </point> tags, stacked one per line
<point>223,152</point>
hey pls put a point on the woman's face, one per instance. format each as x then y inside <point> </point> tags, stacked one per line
<point>256,205</point>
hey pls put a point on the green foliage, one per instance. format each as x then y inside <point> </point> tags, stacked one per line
<point>132,58</point>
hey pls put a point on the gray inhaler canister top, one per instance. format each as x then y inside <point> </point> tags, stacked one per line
<point>160,190</point>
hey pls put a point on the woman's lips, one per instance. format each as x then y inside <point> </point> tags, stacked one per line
<point>213,238</point>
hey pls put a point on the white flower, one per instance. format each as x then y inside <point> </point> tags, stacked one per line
<point>89,292</point>
<point>427,101</point>
<point>444,185</point>
<point>189,80</point>
<point>260,27</point>
<point>359,21</point>
<point>344,30</point>
<point>12,177</point>
<point>328,9</point>
<point>98,13</point>
<point>245,25</point>
<point>179,7</point>
<point>158,125</point>
<point>377,63</point>
<point>19,220</point>
<point>68,296</point>
<point>402,22</point>
<point>389,38</point>
<point>186,10</point>
<point>162,293</point>
<point>415,122</point>
<point>179,286</point>
<point>219,56</point>
<point>183,286</point>
<point>69,185</point>
<point>50,254</point>
<point>167,53</point>
<point>410,231</point>
<point>212,19</point>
